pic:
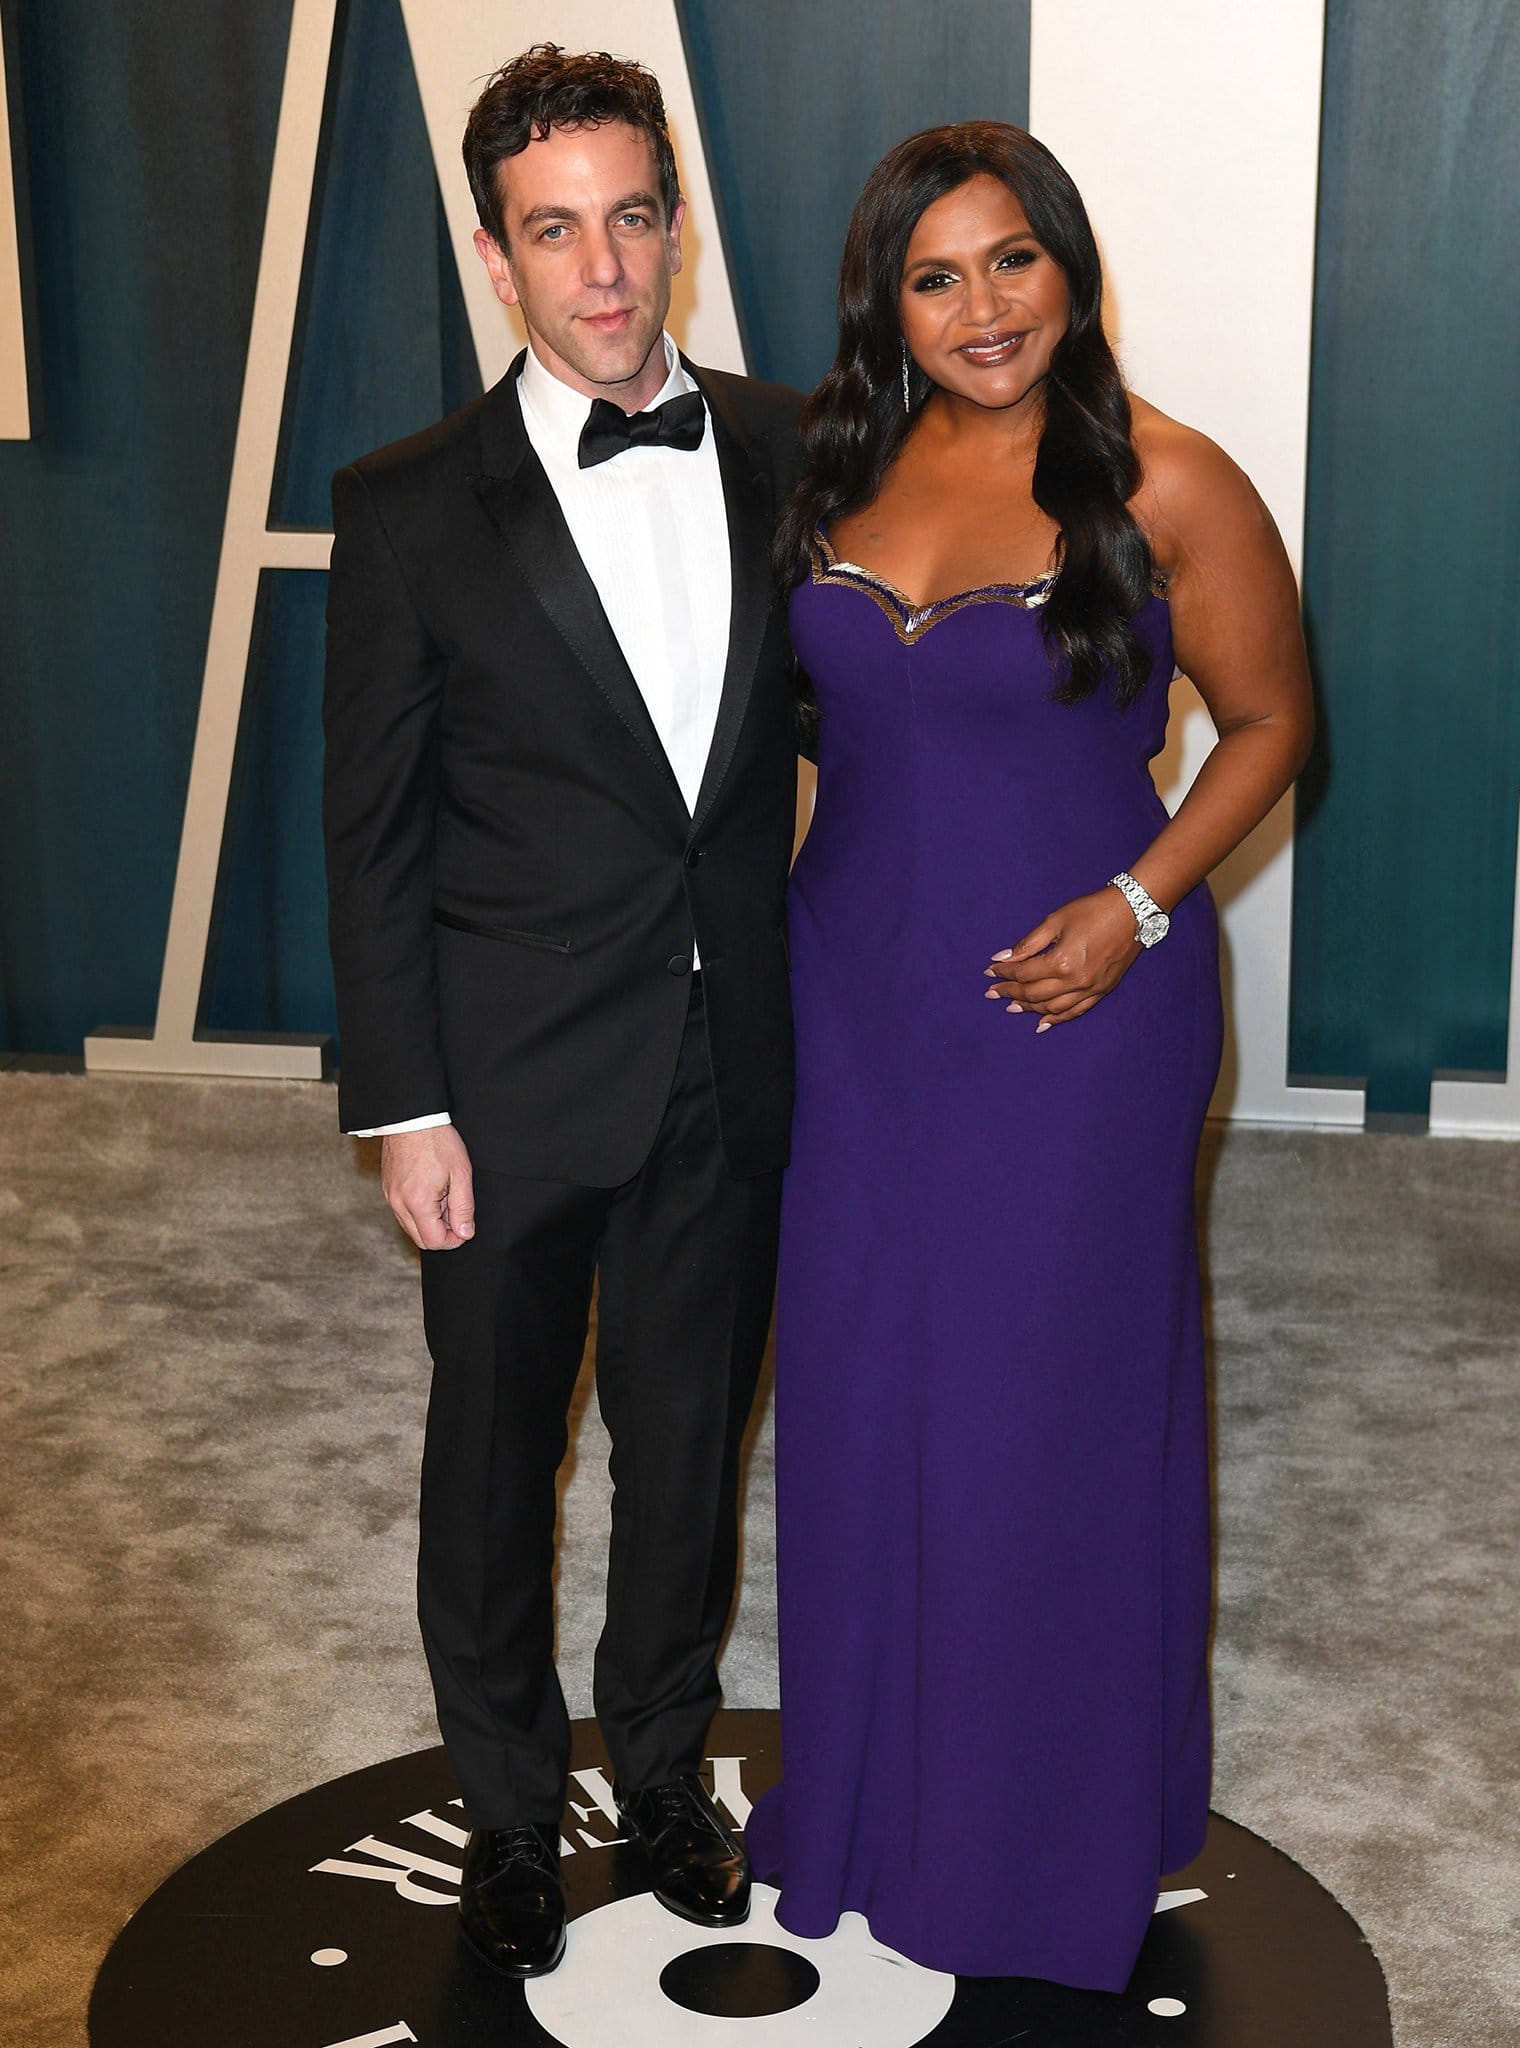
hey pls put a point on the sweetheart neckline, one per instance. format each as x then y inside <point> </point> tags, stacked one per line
<point>907,620</point>
<point>921,611</point>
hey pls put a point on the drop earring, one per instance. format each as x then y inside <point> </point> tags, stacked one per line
<point>907,393</point>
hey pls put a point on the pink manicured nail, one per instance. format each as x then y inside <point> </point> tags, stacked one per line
<point>1043,1025</point>
<point>990,995</point>
<point>1017,1008</point>
<point>1006,954</point>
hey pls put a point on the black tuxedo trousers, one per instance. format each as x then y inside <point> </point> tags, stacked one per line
<point>517,892</point>
<point>686,1257</point>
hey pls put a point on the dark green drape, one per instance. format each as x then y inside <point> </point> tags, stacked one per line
<point>149,131</point>
<point>1405,867</point>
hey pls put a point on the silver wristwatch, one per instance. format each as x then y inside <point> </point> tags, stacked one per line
<point>1151,922</point>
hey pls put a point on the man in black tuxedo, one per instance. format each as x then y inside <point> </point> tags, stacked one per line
<point>559,805</point>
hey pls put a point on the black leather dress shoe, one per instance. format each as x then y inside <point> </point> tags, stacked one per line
<point>512,1900</point>
<point>700,1871</point>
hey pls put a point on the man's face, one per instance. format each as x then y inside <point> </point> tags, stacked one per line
<point>589,257</point>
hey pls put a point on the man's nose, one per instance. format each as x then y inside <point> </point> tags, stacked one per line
<point>601,264</point>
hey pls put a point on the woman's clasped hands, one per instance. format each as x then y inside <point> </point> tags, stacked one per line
<point>1069,961</point>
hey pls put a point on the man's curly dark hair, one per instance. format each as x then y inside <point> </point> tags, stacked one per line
<point>548,87</point>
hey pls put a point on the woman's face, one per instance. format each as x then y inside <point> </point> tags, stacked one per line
<point>982,303</point>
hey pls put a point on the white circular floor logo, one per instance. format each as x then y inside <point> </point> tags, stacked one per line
<point>615,1988</point>
<point>331,1922</point>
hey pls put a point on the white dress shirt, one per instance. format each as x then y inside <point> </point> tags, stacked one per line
<point>651,527</point>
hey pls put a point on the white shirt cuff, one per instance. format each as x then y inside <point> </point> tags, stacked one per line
<point>413,1123</point>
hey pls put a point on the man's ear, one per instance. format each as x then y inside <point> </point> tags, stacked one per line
<point>494,257</point>
<point>673,235</point>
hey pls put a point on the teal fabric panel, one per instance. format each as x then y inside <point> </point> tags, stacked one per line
<point>1404,878</point>
<point>798,102</point>
<point>382,349</point>
<point>269,968</point>
<point>149,133</point>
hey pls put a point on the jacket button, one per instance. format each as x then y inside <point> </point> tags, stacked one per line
<point>693,855</point>
<point>679,963</point>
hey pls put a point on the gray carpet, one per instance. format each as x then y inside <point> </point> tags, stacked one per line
<point>214,1383</point>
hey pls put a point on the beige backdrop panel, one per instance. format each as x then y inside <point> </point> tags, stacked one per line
<point>15,412</point>
<point>456,44</point>
<point>1192,130</point>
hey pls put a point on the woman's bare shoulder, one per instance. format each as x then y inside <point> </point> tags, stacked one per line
<point>1188,483</point>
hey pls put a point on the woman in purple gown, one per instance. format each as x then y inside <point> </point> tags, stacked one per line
<point>992,1463</point>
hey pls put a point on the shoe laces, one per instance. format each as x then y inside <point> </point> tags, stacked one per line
<point>677,1804</point>
<point>522,1845</point>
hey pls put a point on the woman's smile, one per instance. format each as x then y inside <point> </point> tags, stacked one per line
<point>993,349</point>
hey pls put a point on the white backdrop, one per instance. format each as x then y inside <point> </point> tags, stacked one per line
<point>1192,130</point>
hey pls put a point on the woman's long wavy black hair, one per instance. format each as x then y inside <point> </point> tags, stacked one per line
<point>1086,469</point>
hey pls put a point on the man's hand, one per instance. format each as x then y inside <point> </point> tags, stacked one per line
<point>427,1178</point>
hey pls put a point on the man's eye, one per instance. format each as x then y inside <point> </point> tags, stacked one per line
<point>551,234</point>
<point>635,220</point>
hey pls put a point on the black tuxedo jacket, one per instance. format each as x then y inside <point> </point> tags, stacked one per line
<point>514,879</point>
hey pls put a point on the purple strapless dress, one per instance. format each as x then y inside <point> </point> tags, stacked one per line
<point>992,1467</point>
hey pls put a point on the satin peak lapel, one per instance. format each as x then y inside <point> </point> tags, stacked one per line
<point>520,499</point>
<point>750,520</point>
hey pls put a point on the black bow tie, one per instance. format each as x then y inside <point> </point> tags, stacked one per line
<point>678,423</point>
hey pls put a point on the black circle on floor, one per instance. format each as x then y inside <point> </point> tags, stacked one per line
<point>330,1922</point>
<point>739,1980</point>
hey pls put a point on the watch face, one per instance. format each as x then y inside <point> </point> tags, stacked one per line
<point>1155,928</point>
